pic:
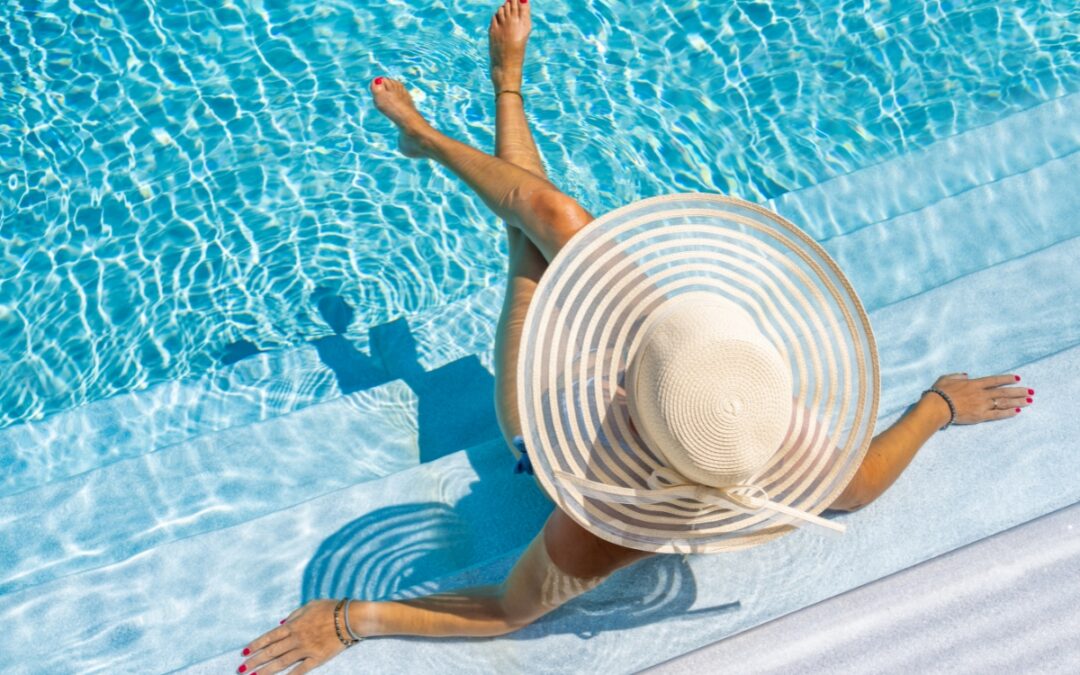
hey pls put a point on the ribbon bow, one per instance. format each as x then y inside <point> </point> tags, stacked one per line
<point>734,497</point>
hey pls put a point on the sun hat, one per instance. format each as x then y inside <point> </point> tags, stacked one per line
<point>696,375</point>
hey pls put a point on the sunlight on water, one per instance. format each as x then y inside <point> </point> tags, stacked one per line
<point>176,175</point>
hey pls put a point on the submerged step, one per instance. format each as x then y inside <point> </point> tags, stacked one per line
<point>961,234</point>
<point>983,324</point>
<point>138,422</point>
<point>414,526</point>
<point>1013,145</point>
<point>257,388</point>
<point>210,482</point>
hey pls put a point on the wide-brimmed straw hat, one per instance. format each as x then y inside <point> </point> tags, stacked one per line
<point>696,375</point>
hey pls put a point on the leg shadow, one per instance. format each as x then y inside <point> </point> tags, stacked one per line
<point>456,404</point>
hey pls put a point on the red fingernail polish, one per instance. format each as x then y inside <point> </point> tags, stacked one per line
<point>1029,400</point>
<point>1018,410</point>
<point>241,669</point>
<point>524,2</point>
<point>1031,391</point>
<point>281,622</point>
<point>245,652</point>
<point>378,80</point>
<point>1017,378</point>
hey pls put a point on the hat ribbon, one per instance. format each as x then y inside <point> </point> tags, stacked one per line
<point>730,497</point>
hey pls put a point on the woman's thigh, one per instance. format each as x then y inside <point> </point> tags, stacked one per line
<point>526,267</point>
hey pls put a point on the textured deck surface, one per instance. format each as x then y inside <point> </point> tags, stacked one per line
<point>1006,604</point>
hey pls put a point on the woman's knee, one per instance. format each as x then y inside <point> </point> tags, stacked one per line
<point>563,214</point>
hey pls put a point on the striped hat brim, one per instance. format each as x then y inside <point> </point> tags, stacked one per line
<point>583,328</point>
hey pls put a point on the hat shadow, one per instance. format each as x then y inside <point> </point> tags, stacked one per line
<point>422,548</point>
<point>419,548</point>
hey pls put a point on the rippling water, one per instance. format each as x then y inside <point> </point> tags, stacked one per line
<point>177,175</point>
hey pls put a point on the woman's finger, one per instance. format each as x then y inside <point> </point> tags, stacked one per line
<point>261,642</point>
<point>1002,414</point>
<point>997,380</point>
<point>306,666</point>
<point>1012,393</point>
<point>280,663</point>
<point>258,659</point>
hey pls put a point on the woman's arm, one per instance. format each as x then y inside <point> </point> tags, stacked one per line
<point>467,612</point>
<point>891,451</point>
<point>535,586</point>
<point>976,400</point>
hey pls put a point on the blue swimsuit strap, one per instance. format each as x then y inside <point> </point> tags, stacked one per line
<point>523,464</point>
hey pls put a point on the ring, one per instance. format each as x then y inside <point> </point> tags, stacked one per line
<point>995,403</point>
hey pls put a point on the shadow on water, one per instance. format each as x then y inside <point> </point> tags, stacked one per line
<point>410,550</point>
<point>413,550</point>
<point>456,407</point>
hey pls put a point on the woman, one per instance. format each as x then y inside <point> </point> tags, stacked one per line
<point>565,559</point>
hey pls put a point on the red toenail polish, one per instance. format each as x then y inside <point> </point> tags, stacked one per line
<point>378,80</point>
<point>1031,392</point>
<point>1029,400</point>
<point>241,669</point>
<point>1018,410</point>
<point>281,622</point>
<point>1017,378</point>
<point>245,652</point>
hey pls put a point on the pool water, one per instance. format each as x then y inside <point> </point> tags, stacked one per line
<point>185,183</point>
<point>179,176</point>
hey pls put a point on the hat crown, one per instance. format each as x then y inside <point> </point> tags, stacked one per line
<point>708,391</point>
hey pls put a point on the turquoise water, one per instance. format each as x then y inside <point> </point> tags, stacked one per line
<point>202,172</point>
<point>178,176</point>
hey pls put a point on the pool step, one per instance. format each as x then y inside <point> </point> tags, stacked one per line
<point>131,424</point>
<point>410,527</point>
<point>212,481</point>
<point>258,388</point>
<point>978,157</point>
<point>964,204</point>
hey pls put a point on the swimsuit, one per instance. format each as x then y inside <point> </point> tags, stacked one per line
<point>523,464</point>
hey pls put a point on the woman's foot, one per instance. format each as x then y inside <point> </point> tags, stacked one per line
<point>507,35</point>
<point>392,100</point>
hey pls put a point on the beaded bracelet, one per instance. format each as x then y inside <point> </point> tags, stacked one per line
<point>952,409</point>
<point>337,625</point>
<point>510,91</point>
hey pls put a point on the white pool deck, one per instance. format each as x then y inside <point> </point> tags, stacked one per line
<point>1006,604</point>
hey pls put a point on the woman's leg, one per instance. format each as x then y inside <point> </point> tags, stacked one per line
<point>508,34</point>
<point>547,216</point>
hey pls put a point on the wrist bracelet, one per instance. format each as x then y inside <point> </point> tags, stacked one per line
<point>348,625</point>
<point>952,409</point>
<point>337,625</point>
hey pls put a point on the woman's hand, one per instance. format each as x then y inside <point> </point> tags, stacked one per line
<point>975,400</point>
<point>306,637</point>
